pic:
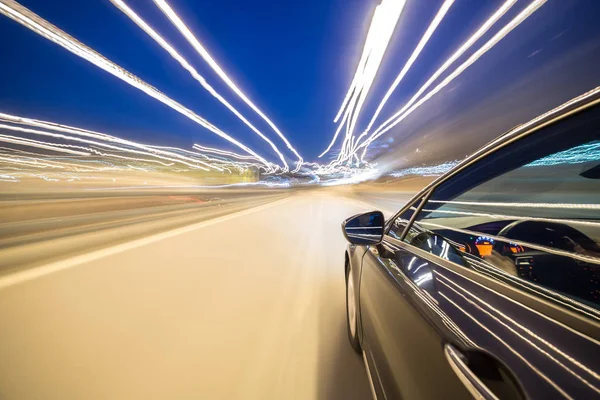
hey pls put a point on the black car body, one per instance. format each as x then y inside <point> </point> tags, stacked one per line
<point>487,283</point>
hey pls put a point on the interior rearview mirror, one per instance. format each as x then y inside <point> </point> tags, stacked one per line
<point>364,229</point>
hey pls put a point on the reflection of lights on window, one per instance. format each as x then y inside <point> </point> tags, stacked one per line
<point>433,170</point>
<point>445,248</point>
<point>419,267</point>
<point>589,152</point>
<point>423,278</point>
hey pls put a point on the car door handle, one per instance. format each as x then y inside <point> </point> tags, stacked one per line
<point>473,384</point>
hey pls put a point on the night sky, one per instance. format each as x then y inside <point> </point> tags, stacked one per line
<point>295,60</point>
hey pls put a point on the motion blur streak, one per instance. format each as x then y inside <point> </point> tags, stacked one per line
<point>519,205</point>
<point>515,352</point>
<point>380,32</point>
<point>187,66</point>
<point>388,20</point>
<point>130,314</point>
<point>401,114</point>
<point>520,335</point>
<point>187,33</point>
<point>580,154</point>
<point>221,161</point>
<point>514,217</point>
<point>222,152</point>
<point>172,154</point>
<point>476,36</point>
<point>42,145</point>
<point>153,152</point>
<point>413,57</point>
<point>22,15</point>
<point>433,170</point>
<point>34,163</point>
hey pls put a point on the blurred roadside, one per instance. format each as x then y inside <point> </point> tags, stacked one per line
<point>45,221</point>
<point>389,194</point>
<point>41,227</point>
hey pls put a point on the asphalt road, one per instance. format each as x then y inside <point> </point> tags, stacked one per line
<point>249,305</point>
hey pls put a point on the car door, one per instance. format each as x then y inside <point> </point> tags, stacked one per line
<point>492,289</point>
<point>404,329</point>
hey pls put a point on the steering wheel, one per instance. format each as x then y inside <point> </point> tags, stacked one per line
<point>554,235</point>
<point>561,273</point>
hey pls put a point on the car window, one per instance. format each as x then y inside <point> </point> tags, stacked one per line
<point>401,221</point>
<point>533,221</point>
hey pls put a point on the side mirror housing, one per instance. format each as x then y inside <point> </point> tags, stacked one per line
<point>364,229</point>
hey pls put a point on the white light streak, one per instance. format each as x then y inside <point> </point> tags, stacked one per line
<point>22,15</point>
<point>382,26</point>
<point>34,143</point>
<point>461,50</point>
<point>566,206</point>
<point>222,152</point>
<point>405,111</point>
<point>193,72</point>
<point>413,57</point>
<point>176,158</point>
<point>187,33</point>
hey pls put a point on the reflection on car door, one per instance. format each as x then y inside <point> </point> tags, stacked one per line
<point>420,302</point>
<point>405,330</point>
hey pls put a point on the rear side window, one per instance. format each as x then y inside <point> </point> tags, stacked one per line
<point>528,214</point>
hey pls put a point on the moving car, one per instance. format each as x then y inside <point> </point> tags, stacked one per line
<point>487,283</point>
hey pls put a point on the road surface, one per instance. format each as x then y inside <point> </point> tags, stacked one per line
<point>249,305</point>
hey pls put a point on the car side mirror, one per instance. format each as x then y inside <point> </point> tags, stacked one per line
<point>364,229</point>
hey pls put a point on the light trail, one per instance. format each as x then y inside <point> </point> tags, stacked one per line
<point>432,170</point>
<point>367,47</point>
<point>34,163</point>
<point>187,161</point>
<point>513,217</point>
<point>388,19</point>
<point>41,145</point>
<point>64,148</point>
<point>589,152</point>
<point>221,161</point>
<point>565,206</point>
<point>172,154</point>
<point>121,5</point>
<point>461,50</point>
<point>189,36</point>
<point>154,150</point>
<point>27,18</point>
<point>337,131</point>
<point>405,111</point>
<point>413,57</point>
<point>222,152</point>
<point>50,164</point>
<point>380,32</point>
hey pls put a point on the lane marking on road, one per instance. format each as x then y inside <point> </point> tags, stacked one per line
<point>61,265</point>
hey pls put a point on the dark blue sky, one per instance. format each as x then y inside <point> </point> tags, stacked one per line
<point>295,59</point>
